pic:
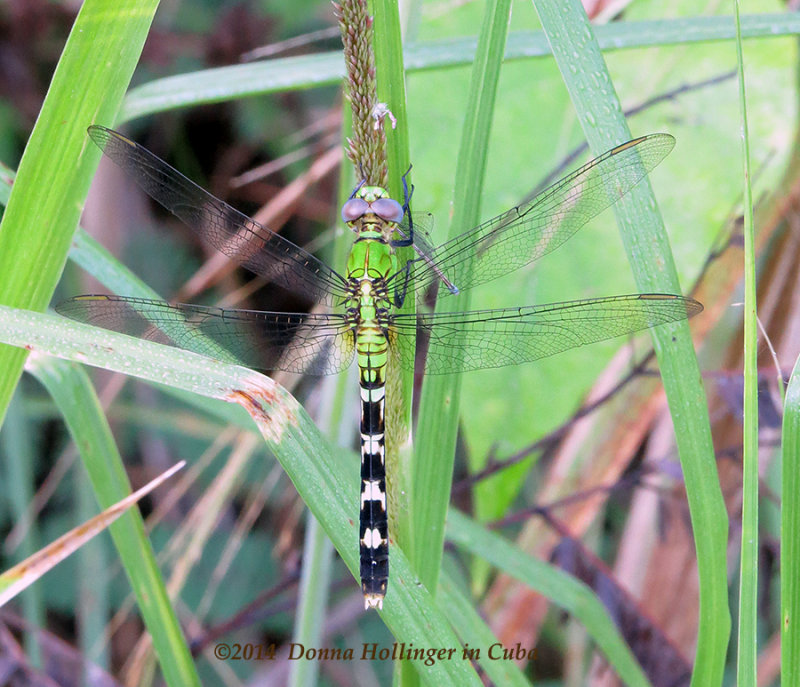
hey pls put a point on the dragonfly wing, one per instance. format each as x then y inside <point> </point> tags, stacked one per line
<point>422,227</point>
<point>229,231</point>
<point>508,336</point>
<point>421,236</point>
<point>294,342</point>
<point>529,231</point>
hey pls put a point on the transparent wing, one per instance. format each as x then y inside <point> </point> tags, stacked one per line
<point>421,236</point>
<point>423,227</point>
<point>295,342</point>
<point>226,229</point>
<point>529,231</point>
<point>508,336</point>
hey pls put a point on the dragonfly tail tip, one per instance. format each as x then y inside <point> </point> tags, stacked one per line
<point>373,601</point>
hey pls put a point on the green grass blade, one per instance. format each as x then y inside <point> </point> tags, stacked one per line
<point>326,480</point>
<point>790,532</point>
<point>313,600</point>
<point>57,165</point>
<point>391,90</point>
<point>314,591</point>
<point>95,564</point>
<point>93,257</point>
<point>390,71</point>
<point>325,69</point>
<point>617,35</point>
<point>562,589</point>
<point>747,640</point>
<point>439,406</point>
<point>587,79</point>
<point>117,278</point>
<point>223,84</point>
<point>476,634</point>
<point>71,389</point>
<point>18,455</point>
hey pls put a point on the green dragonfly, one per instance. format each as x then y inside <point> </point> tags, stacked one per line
<point>364,323</point>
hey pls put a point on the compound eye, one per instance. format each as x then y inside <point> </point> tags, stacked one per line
<point>388,209</point>
<point>354,209</point>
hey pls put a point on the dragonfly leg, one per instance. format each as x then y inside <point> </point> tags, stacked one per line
<point>406,240</point>
<point>360,184</point>
<point>401,289</point>
<point>406,194</point>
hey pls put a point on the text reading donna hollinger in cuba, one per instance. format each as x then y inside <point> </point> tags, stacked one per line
<point>399,651</point>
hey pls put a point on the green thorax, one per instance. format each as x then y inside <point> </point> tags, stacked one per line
<point>373,216</point>
<point>371,259</point>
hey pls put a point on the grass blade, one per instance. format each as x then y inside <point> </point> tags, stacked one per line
<point>439,406</point>
<point>326,480</point>
<point>279,75</point>
<point>747,640</point>
<point>24,574</point>
<point>391,91</point>
<point>587,79</point>
<point>562,589</point>
<point>74,395</point>
<point>58,163</point>
<point>476,635</point>
<point>790,532</point>
<point>19,459</point>
<point>313,600</point>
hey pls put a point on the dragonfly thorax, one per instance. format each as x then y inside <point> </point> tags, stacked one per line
<point>371,259</point>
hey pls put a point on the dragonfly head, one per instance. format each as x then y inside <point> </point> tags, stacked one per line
<point>371,207</point>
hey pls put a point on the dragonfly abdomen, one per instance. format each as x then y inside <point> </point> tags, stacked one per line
<point>372,348</point>
<point>373,525</point>
<point>370,261</point>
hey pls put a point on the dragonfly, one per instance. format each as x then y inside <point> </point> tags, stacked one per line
<point>363,321</point>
